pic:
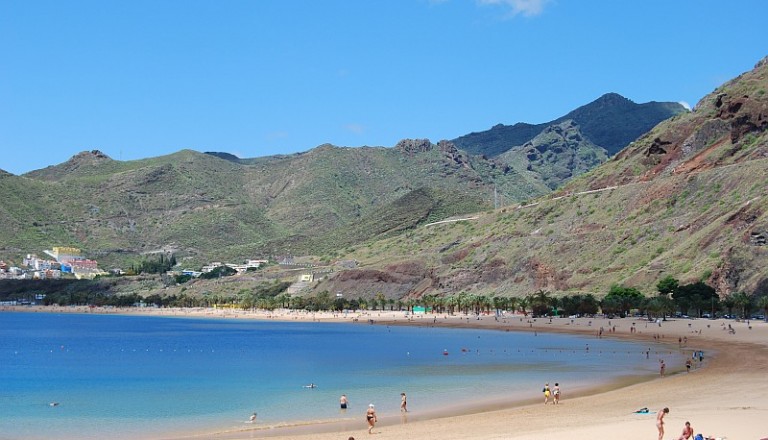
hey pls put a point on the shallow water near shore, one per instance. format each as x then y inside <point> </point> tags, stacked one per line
<point>153,377</point>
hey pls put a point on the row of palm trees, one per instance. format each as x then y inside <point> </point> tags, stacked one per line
<point>540,303</point>
<point>619,301</point>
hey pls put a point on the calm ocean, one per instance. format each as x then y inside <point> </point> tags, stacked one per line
<point>148,377</point>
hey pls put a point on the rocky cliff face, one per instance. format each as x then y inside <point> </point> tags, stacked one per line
<point>558,153</point>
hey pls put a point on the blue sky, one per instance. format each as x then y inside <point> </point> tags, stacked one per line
<point>137,79</point>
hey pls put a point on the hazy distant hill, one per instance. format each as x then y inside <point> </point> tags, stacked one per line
<point>688,199</point>
<point>610,122</point>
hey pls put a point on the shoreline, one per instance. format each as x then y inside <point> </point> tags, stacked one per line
<point>722,400</point>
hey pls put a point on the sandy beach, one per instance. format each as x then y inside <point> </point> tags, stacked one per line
<point>725,397</point>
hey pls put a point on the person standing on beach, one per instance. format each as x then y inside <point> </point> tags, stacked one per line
<point>403,403</point>
<point>662,368</point>
<point>556,394</point>
<point>660,422</point>
<point>546,393</point>
<point>343,401</point>
<point>370,415</point>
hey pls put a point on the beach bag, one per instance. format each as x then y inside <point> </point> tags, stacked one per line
<point>698,437</point>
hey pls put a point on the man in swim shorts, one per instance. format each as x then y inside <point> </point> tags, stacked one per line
<point>343,401</point>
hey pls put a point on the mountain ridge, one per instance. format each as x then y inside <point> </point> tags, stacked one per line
<point>598,120</point>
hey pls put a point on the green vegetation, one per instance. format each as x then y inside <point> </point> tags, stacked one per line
<point>161,265</point>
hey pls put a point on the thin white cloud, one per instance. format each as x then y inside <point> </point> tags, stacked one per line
<point>355,128</point>
<point>527,8</point>
<point>685,104</point>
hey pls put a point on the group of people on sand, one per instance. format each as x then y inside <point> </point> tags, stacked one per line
<point>370,414</point>
<point>554,393</point>
<point>687,433</point>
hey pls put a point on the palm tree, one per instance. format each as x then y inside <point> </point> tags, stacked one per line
<point>659,306</point>
<point>512,303</point>
<point>523,304</point>
<point>452,302</point>
<point>762,303</point>
<point>463,300</point>
<point>440,303</point>
<point>482,303</point>
<point>499,303</point>
<point>429,301</point>
<point>380,299</point>
<point>729,303</point>
<point>541,303</point>
<point>743,301</point>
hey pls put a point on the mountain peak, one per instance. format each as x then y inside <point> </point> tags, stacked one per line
<point>412,146</point>
<point>89,157</point>
<point>612,98</point>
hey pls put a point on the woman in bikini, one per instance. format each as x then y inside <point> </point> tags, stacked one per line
<point>370,415</point>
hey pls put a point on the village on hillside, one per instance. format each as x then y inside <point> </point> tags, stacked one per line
<point>69,262</point>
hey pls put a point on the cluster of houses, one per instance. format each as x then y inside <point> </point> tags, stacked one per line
<point>63,260</point>
<point>69,260</point>
<point>239,268</point>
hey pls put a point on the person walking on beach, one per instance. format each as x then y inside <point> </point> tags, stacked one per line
<point>546,393</point>
<point>687,432</point>
<point>370,415</point>
<point>660,422</point>
<point>556,394</point>
<point>403,403</point>
<point>343,401</point>
<point>662,368</point>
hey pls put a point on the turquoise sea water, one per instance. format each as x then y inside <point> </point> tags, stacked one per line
<point>148,377</point>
